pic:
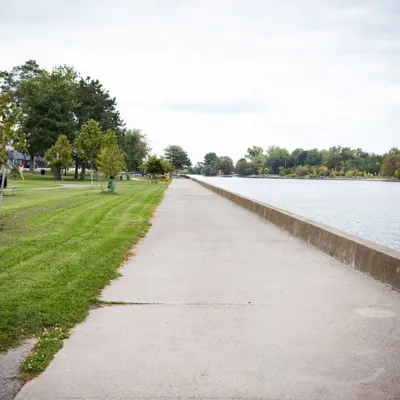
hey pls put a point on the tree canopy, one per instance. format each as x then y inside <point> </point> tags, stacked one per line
<point>136,148</point>
<point>59,156</point>
<point>48,103</point>
<point>226,165</point>
<point>157,166</point>
<point>178,157</point>
<point>110,160</point>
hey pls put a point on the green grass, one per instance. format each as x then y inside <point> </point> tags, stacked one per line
<point>58,249</point>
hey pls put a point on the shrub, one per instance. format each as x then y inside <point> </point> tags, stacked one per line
<point>323,171</point>
<point>301,170</point>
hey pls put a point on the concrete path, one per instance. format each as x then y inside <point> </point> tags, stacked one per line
<point>224,305</point>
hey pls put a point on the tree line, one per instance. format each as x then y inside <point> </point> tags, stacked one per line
<point>334,162</point>
<point>67,118</point>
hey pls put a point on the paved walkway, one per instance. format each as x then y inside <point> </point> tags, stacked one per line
<point>225,305</point>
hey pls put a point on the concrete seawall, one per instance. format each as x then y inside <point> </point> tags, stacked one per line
<point>371,258</point>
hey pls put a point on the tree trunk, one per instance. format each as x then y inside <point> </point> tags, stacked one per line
<point>83,173</point>
<point>76,171</point>
<point>57,174</point>
<point>32,166</point>
<point>3,178</point>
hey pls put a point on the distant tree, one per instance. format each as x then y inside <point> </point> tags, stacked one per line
<point>335,157</point>
<point>48,103</point>
<point>243,167</point>
<point>277,157</point>
<point>393,151</point>
<point>135,147</point>
<point>177,157</point>
<point>254,152</point>
<point>258,162</point>
<point>208,170</point>
<point>391,166</point>
<point>226,165</point>
<point>298,157</point>
<point>313,157</point>
<point>88,143</point>
<point>59,156</point>
<point>110,160</point>
<point>157,166</point>
<point>196,169</point>
<point>211,160</point>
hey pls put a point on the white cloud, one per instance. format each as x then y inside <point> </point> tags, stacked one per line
<point>224,75</point>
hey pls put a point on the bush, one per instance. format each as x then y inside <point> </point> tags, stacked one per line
<point>323,171</point>
<point>285,171</point>
<point>266,171</point>
<point>391,164</point>
<point>301,170</point>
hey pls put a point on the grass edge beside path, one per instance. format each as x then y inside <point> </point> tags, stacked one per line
<point>117,223</point>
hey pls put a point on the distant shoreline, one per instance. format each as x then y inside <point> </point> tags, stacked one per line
<point>317,178</point>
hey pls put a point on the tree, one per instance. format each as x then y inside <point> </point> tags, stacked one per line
<point>88,143</point>
<point>9,134</point>
<point>299,156</point>
<point>177,157</point>
<point>391,166</point>
<point>254,152</point>
<point>335,157</point>
<point>211,159</point>
<point>393,151</point>
<point>59,156</point>
<point>226,165</point>
<point>277,157</point>
<point>258,162</point>
<point>48,103</point>
<point>196,170</point>
<point>157,166</point>
<point>95,102</point>
<point>208,170</point>
<point>110,160</point>
<point>10,80</point>
<point>243,167</point>
<point>135,147</point>
<point>314,157</point>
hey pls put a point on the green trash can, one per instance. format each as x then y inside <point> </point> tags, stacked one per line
<point>110,187</point>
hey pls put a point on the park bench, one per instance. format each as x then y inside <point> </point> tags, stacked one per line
<point>12,189</point>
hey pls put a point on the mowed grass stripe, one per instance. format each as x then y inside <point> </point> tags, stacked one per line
<point>68,252</point>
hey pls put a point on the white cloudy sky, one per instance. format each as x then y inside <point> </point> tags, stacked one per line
<point>223,75</point>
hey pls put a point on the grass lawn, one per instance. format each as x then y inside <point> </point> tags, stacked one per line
<point>58,249</point>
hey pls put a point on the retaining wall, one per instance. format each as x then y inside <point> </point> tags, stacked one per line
<point>369,257</point>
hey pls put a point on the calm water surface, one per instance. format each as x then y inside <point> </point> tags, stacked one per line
<point>367,209</point>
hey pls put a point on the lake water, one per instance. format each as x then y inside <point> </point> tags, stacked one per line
<point>364,208</point>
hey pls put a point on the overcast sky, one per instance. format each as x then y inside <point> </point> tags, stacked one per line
<point>223,75</point>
